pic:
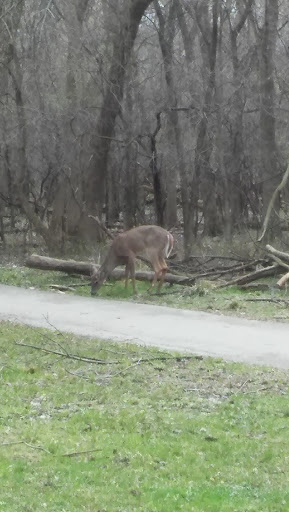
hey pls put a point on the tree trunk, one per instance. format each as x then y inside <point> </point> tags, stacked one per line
<point>159,199</point>
<point>166,34</point>
<point>100,145</point>
<point>268,146</point>
<point>204,172</point>
<point>166,37</point>
<point>237,170</point>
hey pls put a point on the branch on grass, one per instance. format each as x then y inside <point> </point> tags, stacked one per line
<point>27,444</point>
<point>102,361</point>
<point>63,288</point>
<point>77,375</point>
<point>257,287</point>
<point>276,301</point>
<point>67,355</point>
<point>75,454</point>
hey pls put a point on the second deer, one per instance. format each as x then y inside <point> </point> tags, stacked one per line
<point>152,242</point>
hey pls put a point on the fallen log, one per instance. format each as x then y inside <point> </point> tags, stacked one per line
<point>253,276</point>
<point>283,280</point>
<point>67,266</point>
<point>83,268</point>
<point>280,254</point>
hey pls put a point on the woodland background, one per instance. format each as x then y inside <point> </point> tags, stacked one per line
<point>171,112</point>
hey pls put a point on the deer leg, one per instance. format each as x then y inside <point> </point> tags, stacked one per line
<point>163,268</point>
<point>131,270</point>
<point>126,274</point>
<point>163,272</point>
<point>156,276</point>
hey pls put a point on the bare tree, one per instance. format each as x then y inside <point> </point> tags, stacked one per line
<point>129,17</point>
<point>268,146</point>
<point>204,175</point>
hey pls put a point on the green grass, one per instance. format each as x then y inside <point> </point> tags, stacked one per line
<point>143,431</point>
<point>203,296</point>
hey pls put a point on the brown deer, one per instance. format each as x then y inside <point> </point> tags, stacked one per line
<point>152,242</point>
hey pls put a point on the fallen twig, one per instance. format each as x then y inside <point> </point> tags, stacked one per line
<point>261,299</point>
<point>66,354</point>
<point>27,444</point>
<point>85,452</point>
<point>137,363</point>
<point>244,384</point>
<point>102,361</point>
<point>77,375</point>
<point>63,288</point>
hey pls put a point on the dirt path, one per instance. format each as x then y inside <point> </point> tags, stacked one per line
<point>233,339</point>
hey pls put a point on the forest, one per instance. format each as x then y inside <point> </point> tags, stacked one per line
<point>168,112</point>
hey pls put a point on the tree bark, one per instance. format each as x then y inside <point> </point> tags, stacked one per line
<point>166,37</point>
<point>204,172</point>
<point>237,170</point>
<point>166,34</point>
<point>269,153</point>
<point>111,105</point>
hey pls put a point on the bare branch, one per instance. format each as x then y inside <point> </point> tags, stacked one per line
<point>67,355</point>
<point>85,452</point>
<point>272,201</point>
<point>102,226</point>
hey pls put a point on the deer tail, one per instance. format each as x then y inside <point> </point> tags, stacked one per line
<point>169,245</point>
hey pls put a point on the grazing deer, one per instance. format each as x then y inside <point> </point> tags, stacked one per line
<point>152,242</point>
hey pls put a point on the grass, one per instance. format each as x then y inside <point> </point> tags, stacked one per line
<point>143,431</point>
<point>203,296</point>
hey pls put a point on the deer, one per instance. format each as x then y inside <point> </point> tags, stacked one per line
<point>151,242</point>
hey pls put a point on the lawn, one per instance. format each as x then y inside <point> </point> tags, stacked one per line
<point>136,429</point>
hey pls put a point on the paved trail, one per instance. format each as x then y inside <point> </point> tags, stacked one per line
<point>195,332</point>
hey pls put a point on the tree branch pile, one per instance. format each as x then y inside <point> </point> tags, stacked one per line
<point>260,269</point>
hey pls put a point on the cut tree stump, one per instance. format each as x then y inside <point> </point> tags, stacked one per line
<point>83,268</point>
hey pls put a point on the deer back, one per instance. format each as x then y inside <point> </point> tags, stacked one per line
<point>143,240</point>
